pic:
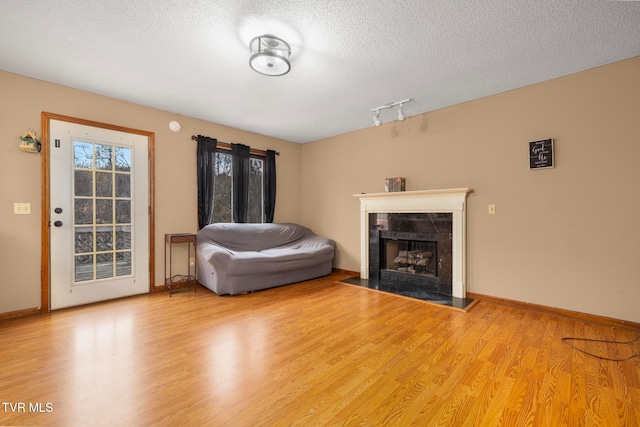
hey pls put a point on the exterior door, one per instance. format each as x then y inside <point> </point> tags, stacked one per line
<point>99,202</point>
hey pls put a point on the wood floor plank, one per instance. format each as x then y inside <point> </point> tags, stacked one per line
<point>311,354</point>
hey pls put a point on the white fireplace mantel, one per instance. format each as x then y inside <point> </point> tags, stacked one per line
<point>452,200</point>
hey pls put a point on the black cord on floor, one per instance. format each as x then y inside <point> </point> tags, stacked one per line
<point>565,339</point>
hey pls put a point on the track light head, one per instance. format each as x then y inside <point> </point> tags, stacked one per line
<point>401,115</point>
<point>376,119</point>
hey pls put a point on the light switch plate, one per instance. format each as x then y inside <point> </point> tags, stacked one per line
<point>22,208</point>
<point>492,209</point>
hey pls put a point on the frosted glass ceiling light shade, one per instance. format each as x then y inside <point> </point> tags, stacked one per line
<point>270,55</point>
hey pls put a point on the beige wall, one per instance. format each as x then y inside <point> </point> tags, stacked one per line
<point>21,103</point>
<point>566,237</point>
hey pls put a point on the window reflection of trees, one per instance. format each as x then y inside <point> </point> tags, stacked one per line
<point>103,157</point>
<point>223,189</point>
<point>84,151</point>
<point>255,191</point>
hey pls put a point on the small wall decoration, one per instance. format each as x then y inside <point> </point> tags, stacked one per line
<point>392,185</point>
<point>29,142</point>
<point>541,154</point>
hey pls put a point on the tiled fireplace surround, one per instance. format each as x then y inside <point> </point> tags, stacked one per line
<point>445,201</point>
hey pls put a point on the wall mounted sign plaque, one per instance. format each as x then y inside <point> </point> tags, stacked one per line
<point>541,154</point>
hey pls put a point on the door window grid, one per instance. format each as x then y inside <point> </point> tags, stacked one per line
<point>102,184</point>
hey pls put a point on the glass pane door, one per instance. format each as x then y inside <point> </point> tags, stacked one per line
<point>102,211</point>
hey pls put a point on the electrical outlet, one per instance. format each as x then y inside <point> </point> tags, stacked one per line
<point>22,208</point>
<point>192,262</point>
<point>492,209</point>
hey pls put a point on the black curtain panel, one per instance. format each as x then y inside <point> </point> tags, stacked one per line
<point>269,178</point>
<point>241,165</point>
<point>206,158</point>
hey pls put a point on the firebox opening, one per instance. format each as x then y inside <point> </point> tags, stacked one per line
<point>410,261</point>
<point>413,250</point>
<point>411,256</point>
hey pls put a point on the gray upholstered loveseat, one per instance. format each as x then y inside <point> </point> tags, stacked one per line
<point>238,258</point>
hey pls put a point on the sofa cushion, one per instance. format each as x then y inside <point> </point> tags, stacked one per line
<point>254,237</point>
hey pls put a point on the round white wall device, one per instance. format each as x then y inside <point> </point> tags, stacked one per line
<point>174,126</point>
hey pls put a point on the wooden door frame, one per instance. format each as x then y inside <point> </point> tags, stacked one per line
<point>45,269</point>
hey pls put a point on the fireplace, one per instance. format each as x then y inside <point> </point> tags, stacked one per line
<point>412,249</point>
<point>416,238</point>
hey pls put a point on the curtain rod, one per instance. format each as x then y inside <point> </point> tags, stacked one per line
<point>227,146</point>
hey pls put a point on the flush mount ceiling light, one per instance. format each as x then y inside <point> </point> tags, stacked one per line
<point>270,55</point>
<point>399,104</point>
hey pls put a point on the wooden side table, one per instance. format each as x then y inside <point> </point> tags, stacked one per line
<point>179,281</point>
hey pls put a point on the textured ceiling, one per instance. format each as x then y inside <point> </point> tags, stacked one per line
<point>348,56</point>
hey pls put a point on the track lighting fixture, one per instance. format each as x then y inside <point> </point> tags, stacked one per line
<point>399,104</point>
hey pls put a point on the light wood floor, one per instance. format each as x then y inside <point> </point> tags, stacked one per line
<point>315,353</point>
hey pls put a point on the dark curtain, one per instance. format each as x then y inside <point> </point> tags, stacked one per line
<point>241,165</point>
<point>269,186</point>
<point>206,158</point>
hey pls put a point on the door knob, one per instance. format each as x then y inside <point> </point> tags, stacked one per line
<point>58,223</point>
<point>58,210</point>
